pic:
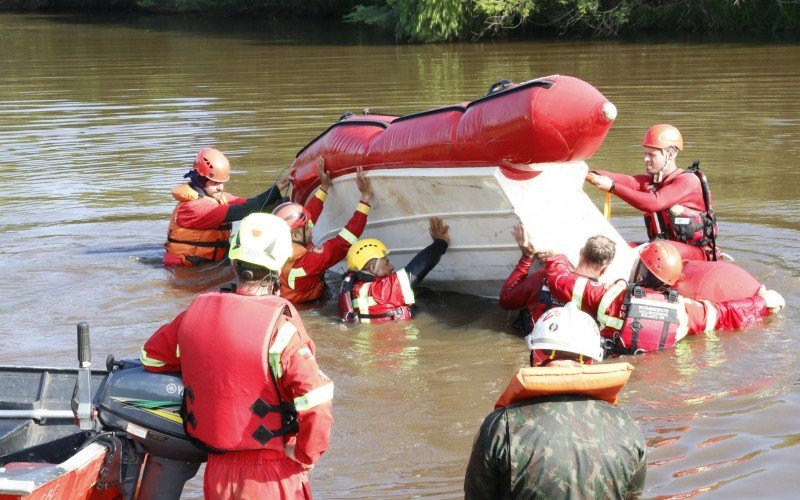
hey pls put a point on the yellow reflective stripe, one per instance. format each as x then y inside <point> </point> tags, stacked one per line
<point>405,286</point>
<point>321,195</point>
<point>577,291</point>
<point>276,349</point>
<point>348,236</point>
<point>294,273</point>
<point>363,208</point>
<point>605,303</point>
<point>147,361</point>
<point>711,316</point>
<point>177,350</point>
<point>314,397</point>
<point>363,301</point>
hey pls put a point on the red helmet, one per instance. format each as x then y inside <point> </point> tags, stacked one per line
<point>294,214</point>
<point>213,165</point>
<point>662,136</point>
<point>663,261</point>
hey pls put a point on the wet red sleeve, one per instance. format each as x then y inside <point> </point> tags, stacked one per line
<point>315,204</point>
<point>201,215</point>
<point>519,288</point>
<point>560,277</point>
<point>302,377</point>
<point>637,182</point>
<point>680,190</point>
<point>324,256</point>
<point>731,314</point>
<point>160,352</point>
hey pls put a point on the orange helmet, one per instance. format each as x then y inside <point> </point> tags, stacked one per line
<point>663,136</point>
<point>213,165</point>
<point>294,214</point>
<point>662,260</point>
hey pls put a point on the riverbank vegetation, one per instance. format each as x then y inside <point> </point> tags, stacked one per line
<point>445,20</point>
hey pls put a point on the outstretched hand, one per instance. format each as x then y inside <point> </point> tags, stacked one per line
<point>325,180</point>
<point>601,181</point>
<point>364,185</point>
<point>439,230</point>
<point>523,238</point>
<point>287,176</point>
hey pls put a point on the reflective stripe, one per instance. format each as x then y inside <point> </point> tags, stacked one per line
<point>294,273</point>
<point>348,236</point>
<point>363,208</point>
<point>322,195</point>
<point>405,286</point>
<point>363,302</point>
<point>608,297</point>
<point>314,397</point>
<point>711,316</point>
<point>147,361</point>
<point>177,350</point>
<point>683,320</point>
<point>577,291</point>
<point>276,349</point>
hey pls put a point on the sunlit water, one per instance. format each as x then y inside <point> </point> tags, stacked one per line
<point>100,118</point>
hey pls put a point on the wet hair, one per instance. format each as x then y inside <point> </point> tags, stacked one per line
<point>598,251</point>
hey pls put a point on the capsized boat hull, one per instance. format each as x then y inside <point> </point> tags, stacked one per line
<point>480,205</point>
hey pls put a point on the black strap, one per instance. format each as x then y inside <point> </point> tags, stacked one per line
<point>201,244</point>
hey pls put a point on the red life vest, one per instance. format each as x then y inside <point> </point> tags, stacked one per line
<point>383,299</point>
<point>196,246</point>
<point>651,323</point>
<point>228,344</point>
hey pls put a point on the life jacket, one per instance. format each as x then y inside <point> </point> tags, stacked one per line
<point>289,274</point>
<point>196,246</point>
<point>652,321</point>
<point>231,347</point>
<point>686,225</point>
<point>602,382</point>
<point>530,314</point>
<point>395,290</point>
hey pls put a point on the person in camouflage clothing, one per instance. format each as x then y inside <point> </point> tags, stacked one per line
<point>546,439</point>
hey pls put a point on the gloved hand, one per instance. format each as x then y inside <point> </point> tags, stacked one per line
<point>773,299</point>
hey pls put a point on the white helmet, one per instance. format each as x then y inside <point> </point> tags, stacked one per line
<point>567,329</point>
<point>263,240</point>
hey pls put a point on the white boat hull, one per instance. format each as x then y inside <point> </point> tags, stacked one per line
<point>480,205</point>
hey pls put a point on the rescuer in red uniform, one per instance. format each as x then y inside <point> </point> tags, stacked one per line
<point>373,292</point>
<point>303,275</point>
<point>276,423</point>
<point>647,315</point>
<point>531,293</point>
<point>200,225</point>
<point>676,202</point>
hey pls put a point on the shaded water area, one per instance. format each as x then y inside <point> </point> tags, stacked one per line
<point>100,118</point>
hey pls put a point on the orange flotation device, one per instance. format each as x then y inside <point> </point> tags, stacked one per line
<point>191,246</point>
<point>596,381</point>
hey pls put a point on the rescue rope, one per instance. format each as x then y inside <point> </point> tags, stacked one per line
<point>607,206</point>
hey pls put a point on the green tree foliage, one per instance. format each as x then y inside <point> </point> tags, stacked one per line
<point>441,20</point>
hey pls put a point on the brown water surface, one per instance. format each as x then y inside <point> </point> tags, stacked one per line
<point>100,118</point>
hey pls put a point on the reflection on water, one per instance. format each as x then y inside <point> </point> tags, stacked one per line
<point>101,118</point>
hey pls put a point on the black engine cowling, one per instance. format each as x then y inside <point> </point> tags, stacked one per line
<point>146,405</point>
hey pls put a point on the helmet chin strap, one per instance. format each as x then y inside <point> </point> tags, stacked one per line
<point>659,176</point>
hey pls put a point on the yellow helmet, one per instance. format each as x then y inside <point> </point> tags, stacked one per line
<point>364,251</point>
<point>262,240</point>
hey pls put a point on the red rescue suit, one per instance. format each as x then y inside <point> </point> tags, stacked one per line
<point>197,230</point>
<point>387,298</point>
<point>246,360</point>
<point>303,275</point>
<point>528,291</point>
<point>674,208</point>
<point>606,304</point>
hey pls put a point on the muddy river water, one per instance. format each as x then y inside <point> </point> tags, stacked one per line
<point>100,118</point>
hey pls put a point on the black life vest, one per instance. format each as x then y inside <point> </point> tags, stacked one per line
<point>693,227</point>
